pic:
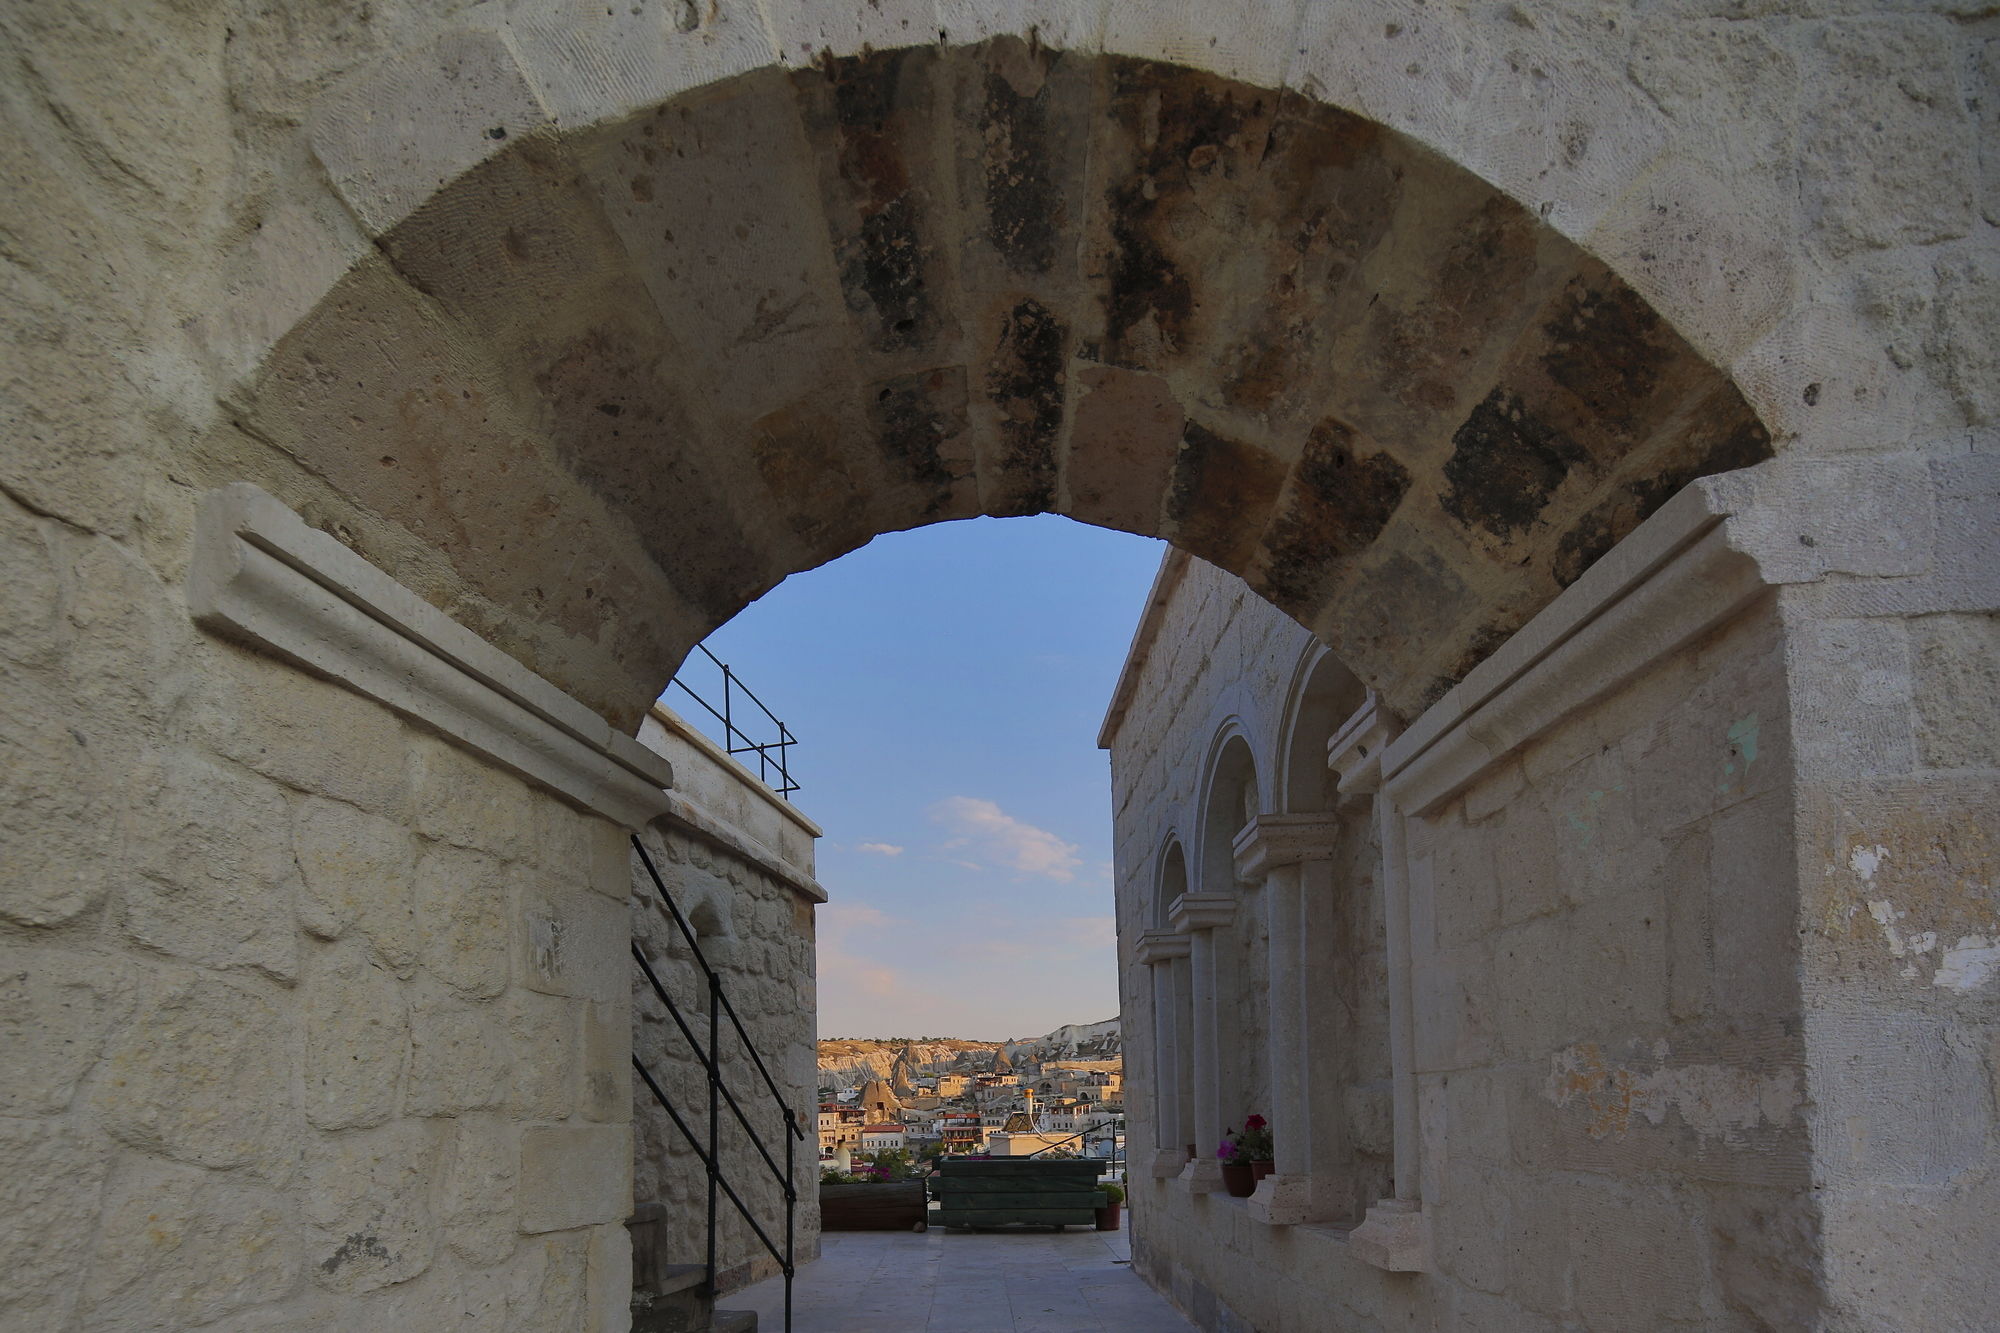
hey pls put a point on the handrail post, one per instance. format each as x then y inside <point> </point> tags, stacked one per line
<point>714,1112</point>
<point>791,1208</point>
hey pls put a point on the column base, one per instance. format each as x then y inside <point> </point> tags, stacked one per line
<point>1168,1163</point>
<point>1395,1236</point>
<point>1282,1201</point>
<point>1201,1176</point>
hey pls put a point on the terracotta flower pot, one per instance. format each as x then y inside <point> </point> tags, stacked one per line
<point>1236,1178</point>
<point>1258,1170</point>
<point>1107,1217</point>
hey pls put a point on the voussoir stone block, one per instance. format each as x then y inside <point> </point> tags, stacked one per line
<point>575,1175</point>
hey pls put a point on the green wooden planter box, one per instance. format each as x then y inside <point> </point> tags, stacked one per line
<point>999,1192</point>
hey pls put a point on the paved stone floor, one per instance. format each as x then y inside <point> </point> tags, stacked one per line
<point>941,1281</point>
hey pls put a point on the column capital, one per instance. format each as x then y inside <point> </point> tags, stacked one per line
<point>1161,946</point>
<point>1355,751</point>
<point>1270,841</point>
<point>1201,911</point>
<point>1395,1235</point>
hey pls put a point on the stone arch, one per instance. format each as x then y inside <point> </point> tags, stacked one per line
<point>1170,879</point>
<point>1230,797</point>
<point>727,335</point>
<point>1324,694</point>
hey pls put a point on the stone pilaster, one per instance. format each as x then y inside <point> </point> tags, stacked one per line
<point>1157,952</point>
<point>1198,916</point>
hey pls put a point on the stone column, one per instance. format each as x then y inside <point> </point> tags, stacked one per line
<point>1395,1234</point>
<point>1157,951</point>
<point>1198,916</point>
<point>1276,849</point>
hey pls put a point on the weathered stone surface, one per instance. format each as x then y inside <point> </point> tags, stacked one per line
<point>607,1062</point>
<point>574,1175</point>
<point>58,845</point>
<point>463,908</point>
<point>359,871</point>
<point>176,1079</point>
<point>216,882</point>
<point>461,1058</point>
<point>544,1028</point>
<point>366,1206</point>
<point>463,800</point>
<point>549,1284</point>
<point>271,718</point>
<point>357,1039</point>
<point>48,1212</point>
<point>568,941</point>
<point>1957,680</point>
<point>476,1188</point>
<point>55,1009</point>
<point>179,1246</point>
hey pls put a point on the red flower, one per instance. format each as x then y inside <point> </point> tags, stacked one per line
<point>1254,1122</point>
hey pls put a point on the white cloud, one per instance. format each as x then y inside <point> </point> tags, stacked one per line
<point>982,828</point>
<point>880,848</point>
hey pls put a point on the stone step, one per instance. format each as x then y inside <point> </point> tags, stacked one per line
<point>734,1321</point>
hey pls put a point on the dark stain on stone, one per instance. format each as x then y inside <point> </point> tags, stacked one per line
<point>1607,348</point>
<point>913,415</point>
<point>1505,464</point>
<point>1221,493</point>
<point>883,258</point>
<point>1426,341</point>
<point>618,430</point>
<point>358,1245</point>
<point>1181,125</point>
<point>1340,502</point>
<point>1024,382</point>
<point>805,464</point>
<point>1023,206</point>
<point>1723,437</point>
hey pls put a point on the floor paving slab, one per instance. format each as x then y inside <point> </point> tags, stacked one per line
<point>941,1281</point>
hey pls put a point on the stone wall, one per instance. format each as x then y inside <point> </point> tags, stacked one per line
<point>745,886</point>
<point>1617,1079</point>
<point>284,1036</point>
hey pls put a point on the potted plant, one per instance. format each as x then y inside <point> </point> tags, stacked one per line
<point>1243,1155</point>
<point>876,1195</point>
<point>1255,1144</point>
<point>1107,1216</point>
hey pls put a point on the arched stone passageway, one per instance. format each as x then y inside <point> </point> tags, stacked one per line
<point>726,338</point>
<point>561,336</point>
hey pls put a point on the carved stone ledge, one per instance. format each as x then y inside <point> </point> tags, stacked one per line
<point>1269,841</point>
<point>1160,946</point>
<point>1201,1175</point>
<point>262,576</point>
<point>1282,1201</point>
<point>1168,1163</point>
<point>1201,911</point>
<point>1395,1237</point>
<point>1355,752</point>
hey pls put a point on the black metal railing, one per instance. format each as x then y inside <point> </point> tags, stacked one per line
<point>1115,1129</point>
<point>773,757</point>
<point>720,1094</point>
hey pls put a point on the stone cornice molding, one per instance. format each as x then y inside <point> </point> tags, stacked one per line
<point>1269,841</point>
<point>1161,946</point>
<point>259,574</point>
<point>1201,911</point>
<point>1678,575</point>
<point>1355,751</point>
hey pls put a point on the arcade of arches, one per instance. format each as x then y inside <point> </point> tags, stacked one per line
<point>396,392</point>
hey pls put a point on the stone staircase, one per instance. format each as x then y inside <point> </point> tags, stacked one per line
<point>673,1298</point>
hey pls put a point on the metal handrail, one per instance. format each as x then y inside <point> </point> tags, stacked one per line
<point>1084,1134</point>
<point>709,1056</point>
<point>733,734</point>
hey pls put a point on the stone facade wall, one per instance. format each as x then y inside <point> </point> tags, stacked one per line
<point>751,908</point>
<point>1609,1056</point>
<point>285,1041</point>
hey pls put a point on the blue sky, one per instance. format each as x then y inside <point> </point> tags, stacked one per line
<point>946,686</point>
